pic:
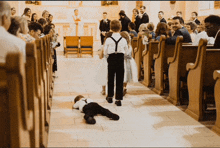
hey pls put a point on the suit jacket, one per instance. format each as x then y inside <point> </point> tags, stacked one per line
<point>124,22</point>
<point>104,26</point>
<point>183,32</point>
<point>137,22</point>
<point>197,21</point>
<point>163,20</point>
<point>145,18</point>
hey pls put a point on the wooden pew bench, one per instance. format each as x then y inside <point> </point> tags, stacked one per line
<point>133,45</point>
<point>16,113</point>
<point>150,50</point>
<point>161,66</point>
<point>71,45</point>
<point>200,79</point>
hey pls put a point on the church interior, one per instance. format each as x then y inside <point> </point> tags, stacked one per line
<point>173,103</point>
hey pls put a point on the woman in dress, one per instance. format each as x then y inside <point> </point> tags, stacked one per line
<point>27,14</point>
<point>34,17</point>
<point>131,74</point>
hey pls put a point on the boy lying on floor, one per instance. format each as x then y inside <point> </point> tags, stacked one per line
<point>91,108</point>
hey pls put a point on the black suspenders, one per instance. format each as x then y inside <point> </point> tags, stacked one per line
<point>116,42</point>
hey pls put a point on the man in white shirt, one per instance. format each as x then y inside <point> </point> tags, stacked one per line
<point>203,34</point>
<point>8,42</point>
<point>115,47</point>
<point>91,108</point>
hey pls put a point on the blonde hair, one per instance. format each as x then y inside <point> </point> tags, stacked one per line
<point>126,35</point>
<point>143,27</point>
<point>23,24</point>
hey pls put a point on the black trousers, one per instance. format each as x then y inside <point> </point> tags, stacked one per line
<point>102,38</point>
<point>94,108</point>
<point>116,68</point>
<point>55,61</point>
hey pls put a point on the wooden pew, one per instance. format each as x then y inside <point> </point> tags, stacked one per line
<point>33,92</point>
<point>216,75</point>
<point>16,115</point>
<point>150,50</point>
<point>71,45</point>
<point>161,66</point>
<point>134,45</point>
<point>200,79</point>
<point>86,45</point>
<point>183,54</point>
<point>41,83</point>
<point>138,53</point>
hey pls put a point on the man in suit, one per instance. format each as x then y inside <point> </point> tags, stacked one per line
<point>212,27</point>
<point>177,25</point>
<point>104,26</point>
<point>124,21</point>
<point>194,17</point>
<point>137,20</point>
<point>161,18</point>
<point>144,18</point>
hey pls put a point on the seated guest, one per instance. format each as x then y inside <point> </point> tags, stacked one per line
<point>34,17</point>
<point>137,19</point>
<point>27,14</point>
<point>203,34</point>
<point>191,27</point>
<point>131,28</point>
<point>8,42</point>
<point>143,30</point>
<point>162,29</point>
<point>177,25</point>
<point>212,27</point>
<point>45,15</point>
<point>171,31</point>
<point>194,16</point>
<point>13,11</point>
<point>35,30</point>
<point>23,34</point>
<point>42,22</point>
<point>150,27</point>
<point>14,27</point>
<point>50,19</point>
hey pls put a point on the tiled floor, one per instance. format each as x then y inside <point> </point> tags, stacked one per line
<point>146,119</point>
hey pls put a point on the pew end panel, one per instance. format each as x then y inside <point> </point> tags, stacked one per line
<point>216,76</point>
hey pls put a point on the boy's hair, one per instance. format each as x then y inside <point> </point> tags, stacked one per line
<point>122,13</point>
<point>115,25</point>
<point>192,25</point>
<point>35,26</point>
<point>161,12</point>
<point>42,21</point>
<point>179,18</point>
<point>195,13</point>
<point>213,19</point>
<point>132,25</point>
<point>77,98</point>
<point>150,26</point>
<point>126,35</point>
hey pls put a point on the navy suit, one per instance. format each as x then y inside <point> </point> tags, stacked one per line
<point>197,21</point>
<point>180,32</point>
<point>124,23</point>
<point>104,26</point>
<point>145,18</point>
<point>163,20</point>
<point>137,23</point>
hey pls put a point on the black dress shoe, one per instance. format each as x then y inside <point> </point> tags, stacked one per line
<point>109,99</point>
<point>118,103</point>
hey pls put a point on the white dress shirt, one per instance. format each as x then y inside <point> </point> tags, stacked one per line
<point>203,34</point>
<point>10,43</point>
<point>81,103</point>
<point>110,45</point>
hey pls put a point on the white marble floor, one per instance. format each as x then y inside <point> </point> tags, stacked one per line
<point>146,119</point>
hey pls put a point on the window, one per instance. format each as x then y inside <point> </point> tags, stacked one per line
<point>33,2</point>
<point>107,3</point>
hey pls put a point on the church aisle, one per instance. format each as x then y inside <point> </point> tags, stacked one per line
<point>146,119</point>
